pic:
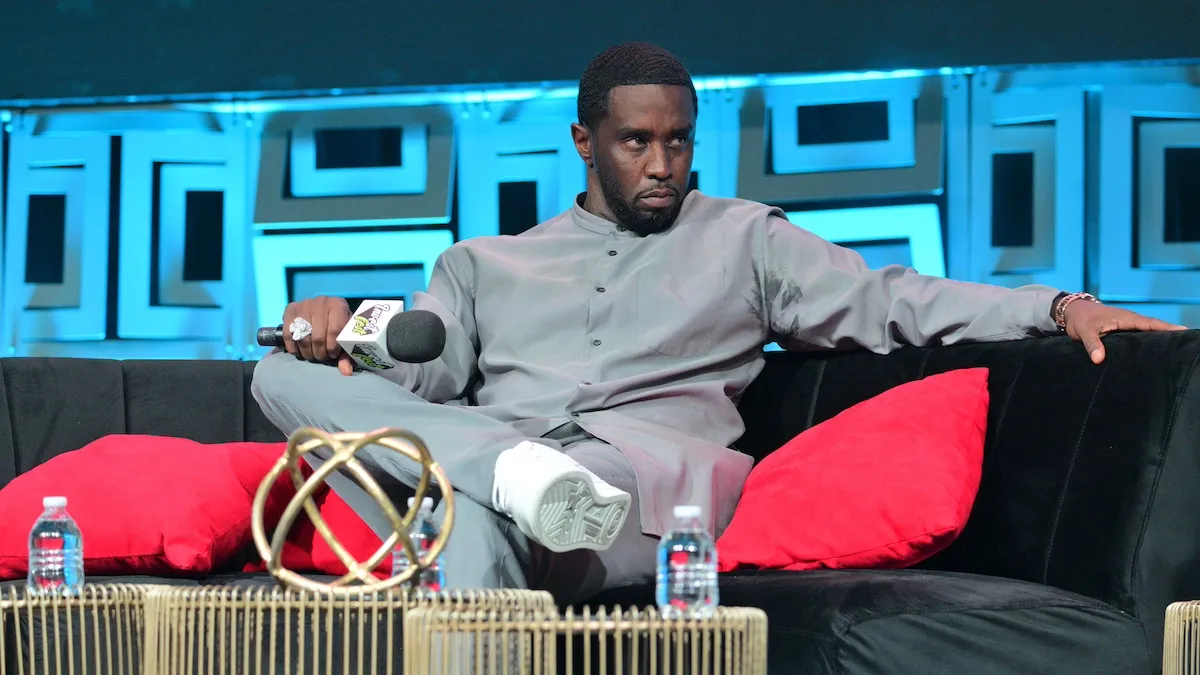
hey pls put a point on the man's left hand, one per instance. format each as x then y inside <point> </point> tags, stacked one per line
<point>1088,321</point>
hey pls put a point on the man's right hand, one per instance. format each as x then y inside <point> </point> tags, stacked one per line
<point>328,316</point>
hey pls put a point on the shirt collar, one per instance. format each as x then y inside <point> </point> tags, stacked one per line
<point>594,223</point>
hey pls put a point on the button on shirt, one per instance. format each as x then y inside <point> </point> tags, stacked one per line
<point>647,342</point>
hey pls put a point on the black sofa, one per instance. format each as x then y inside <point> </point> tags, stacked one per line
<point>1087,522</point>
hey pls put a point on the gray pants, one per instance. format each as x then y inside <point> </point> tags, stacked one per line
<point>485,549</point>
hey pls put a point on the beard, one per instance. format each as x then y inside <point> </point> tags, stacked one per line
<point>641,222</point>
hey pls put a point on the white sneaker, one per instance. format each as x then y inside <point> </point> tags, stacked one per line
<point>555,501</point>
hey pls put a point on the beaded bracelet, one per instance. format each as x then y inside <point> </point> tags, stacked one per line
<point>1060,310</point>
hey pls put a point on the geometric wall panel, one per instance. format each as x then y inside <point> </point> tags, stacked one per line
<point>304,178</point>
<point>958,176</point>
<point>317,172</point>
<point>813,157</point>
<point>916,227</point>
<point>718,133</point>
<point>183,198</point>
<point>843,126</point>
<point>56,240</point>
<point>1027,184</point>
<point>1157,269</point>
<point>518,142</point>
<point>275,255</point>
<point>1071,177</point>
<point>348,281</point>
<point>1157,141</point>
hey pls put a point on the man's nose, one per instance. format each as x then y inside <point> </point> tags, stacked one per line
<point>658,165</point>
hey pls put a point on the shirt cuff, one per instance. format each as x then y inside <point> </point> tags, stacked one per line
<point>1043,303</point>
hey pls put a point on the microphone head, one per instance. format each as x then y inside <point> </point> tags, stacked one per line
<point>416,336</point>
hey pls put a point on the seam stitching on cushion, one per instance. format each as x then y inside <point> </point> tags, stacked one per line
<point>124,399</point>
<point>812,403</point>
<point>924,363</point>
<point>1167,432</point>
<point>1007,398</point>
<point>12,427</point>
<point>1062,497</point>
<point>1016,608</point>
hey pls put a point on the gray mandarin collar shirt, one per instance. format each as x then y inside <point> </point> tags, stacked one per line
<point>648,342</point>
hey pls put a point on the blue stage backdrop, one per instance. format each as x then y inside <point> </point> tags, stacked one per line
<point>176,230</point>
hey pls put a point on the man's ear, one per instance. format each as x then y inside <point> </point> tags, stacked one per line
<point>583,143</point>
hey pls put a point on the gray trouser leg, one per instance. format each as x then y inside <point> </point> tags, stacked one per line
<point>576,576</point>
<point>485,550</point>
<point>294,393</point>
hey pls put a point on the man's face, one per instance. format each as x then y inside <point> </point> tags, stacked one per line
<point>643,154</point>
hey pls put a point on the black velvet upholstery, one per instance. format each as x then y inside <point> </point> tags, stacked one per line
<point>1085,527</point>
<point>50,406</point>
<point>917,621</point>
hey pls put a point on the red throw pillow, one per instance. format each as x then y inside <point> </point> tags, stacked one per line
<point>884,484</point>
<point>146,504</point>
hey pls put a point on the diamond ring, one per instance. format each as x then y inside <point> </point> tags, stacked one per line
<point>300,329</point>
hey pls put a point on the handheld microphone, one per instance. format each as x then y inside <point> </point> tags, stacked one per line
<point>380,334</point>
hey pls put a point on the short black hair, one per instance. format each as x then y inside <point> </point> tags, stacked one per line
<point>627,64</point>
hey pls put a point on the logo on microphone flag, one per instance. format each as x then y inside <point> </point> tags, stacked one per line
<point>366,355</point>
<point>366,322</point>
<point>364,338</point>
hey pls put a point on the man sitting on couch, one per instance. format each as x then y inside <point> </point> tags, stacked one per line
<point>592,363</point>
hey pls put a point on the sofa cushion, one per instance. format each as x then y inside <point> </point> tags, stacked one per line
<point>49,406</point>
<point>886,483</point>
<point>925,622</point>
<point>147,504</point>
<point>1089,471</point>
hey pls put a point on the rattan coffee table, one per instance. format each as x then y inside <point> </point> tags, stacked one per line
<point>270,630</point>
<point>1181,639</point>
<point>349,626</point>
<point>440,641</point>
<point>100,631</point>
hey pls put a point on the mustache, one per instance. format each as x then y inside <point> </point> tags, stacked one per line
<point>660,188</point>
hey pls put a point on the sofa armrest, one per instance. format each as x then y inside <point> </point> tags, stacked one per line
<point>1091,478</point>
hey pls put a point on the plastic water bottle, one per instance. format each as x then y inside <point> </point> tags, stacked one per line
<point>687,568</point>
<point>422,532</point>
<point>55,552</point>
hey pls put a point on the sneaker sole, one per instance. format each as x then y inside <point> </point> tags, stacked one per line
<point>571,515</point>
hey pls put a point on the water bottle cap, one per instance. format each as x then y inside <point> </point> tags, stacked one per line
<point>426,503</point>
<point>687,511</point>
<point>54,502</point>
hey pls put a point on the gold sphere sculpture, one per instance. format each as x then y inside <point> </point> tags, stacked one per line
<point>344,446</point>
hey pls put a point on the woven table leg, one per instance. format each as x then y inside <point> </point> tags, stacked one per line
<point>1181,639</point>
<point>100,632</point>
<point>442,641</point>
<point>269,630</point>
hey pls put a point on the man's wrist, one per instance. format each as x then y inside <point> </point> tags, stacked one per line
<point>1054,305</point>
<point>1058,308</point>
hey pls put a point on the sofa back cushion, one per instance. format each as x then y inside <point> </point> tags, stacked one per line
<point>1090,473</point>
<point>51,406</point>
